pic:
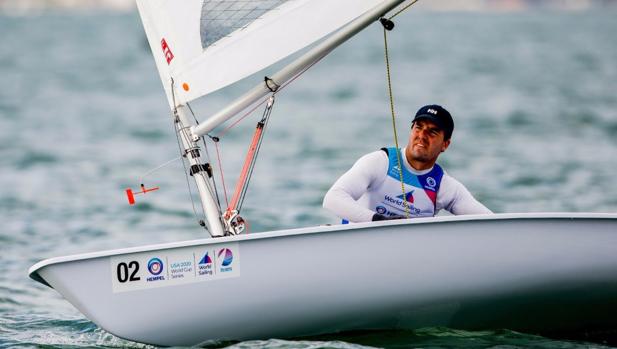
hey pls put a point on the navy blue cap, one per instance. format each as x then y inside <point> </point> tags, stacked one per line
<point>440,116</point>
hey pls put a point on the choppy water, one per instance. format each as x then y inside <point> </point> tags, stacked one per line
<point>83,116</point>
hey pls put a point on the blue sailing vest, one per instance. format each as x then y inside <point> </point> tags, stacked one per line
<point>420,195</point>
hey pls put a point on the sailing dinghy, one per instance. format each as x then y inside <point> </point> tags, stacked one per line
<point>544,273</point>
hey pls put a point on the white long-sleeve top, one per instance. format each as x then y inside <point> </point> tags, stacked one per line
<point>346,198</point>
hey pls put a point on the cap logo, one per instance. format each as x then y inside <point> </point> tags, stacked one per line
<point>432,111</point>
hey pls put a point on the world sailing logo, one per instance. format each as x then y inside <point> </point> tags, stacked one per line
<point>205,265</point>
<point>206,259</point>
<point>408,197</point>
<point>167,51</point>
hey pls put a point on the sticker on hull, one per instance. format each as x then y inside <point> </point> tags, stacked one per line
<point>174,267</point>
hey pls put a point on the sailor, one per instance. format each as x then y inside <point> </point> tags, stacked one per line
<point>372,189</point>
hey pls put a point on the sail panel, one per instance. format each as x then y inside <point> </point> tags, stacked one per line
<point>220,18</point>
<point>205,45</point>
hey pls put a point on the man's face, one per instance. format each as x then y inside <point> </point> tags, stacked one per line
<point>426,141</point>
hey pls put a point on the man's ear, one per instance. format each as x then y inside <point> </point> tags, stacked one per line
<point>445,145</point>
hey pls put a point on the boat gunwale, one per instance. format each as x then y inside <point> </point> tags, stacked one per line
<point>33,270</point>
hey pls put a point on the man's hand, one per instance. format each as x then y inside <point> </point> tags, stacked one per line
<point>380,217</point>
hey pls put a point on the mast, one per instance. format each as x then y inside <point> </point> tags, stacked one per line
<point>200,173</point>
<point>295,67</point>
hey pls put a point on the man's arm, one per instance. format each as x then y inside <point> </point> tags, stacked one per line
<point>341,199</point>
<point>455,198</point>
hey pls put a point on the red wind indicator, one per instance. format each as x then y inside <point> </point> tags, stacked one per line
<point>131,195</point>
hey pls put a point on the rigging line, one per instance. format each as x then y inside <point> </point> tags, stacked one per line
<point>264,119</point>
<point>203,140</point>
<point>218,200</point>
<point>175,129</point>
<point>267,98</point>
<point>242,117</point>
<point>282,86</point>
<point>188,184</point>
<point>192,113</point>
<point>403,9</point>
<point>201,222</point>
<point>398,152</point>
<point>218,155</point>
<point>157,168</point>
<point>250,174</point>
<point>303,71</point>
<point>188,136</point>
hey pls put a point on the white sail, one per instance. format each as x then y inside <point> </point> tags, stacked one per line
<point>204,45</point>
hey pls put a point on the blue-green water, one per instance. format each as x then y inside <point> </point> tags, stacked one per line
<point>83,116</point>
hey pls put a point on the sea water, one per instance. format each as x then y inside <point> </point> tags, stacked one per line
<point>83,116</point>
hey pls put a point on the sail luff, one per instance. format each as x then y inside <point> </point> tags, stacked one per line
<point>296,66</point>
<point>174,45</point>
<point>151,32</point>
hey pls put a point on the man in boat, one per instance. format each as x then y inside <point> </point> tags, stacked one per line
<point>372,190</point>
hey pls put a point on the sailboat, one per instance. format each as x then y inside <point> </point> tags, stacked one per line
<point>534,272</point>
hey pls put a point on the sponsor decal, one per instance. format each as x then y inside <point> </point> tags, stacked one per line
<point>226,257</point>
<point>155,267</point>
<point>167,51</point>
<point>430,181</point>
<point>398,204</point>
<point>381,210</point>
<point>395,172</point>
<point>180,269</point>
<point>408,197</point>
<point>206,259</point>
<point>394,201</point>
<point>173,267</point>
<point>205,265</point>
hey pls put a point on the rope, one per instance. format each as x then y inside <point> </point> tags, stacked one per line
<point>280,88</point>
<point>387,26</point>
<point>264,121</point>
<point>218,156</point>
<point>398,153</point>
<point>188,183</point>
<point>241,118</point>
<point>403,9</point>
<point>203,140</point>
<point>141,179</point>
<point>176,132</point>
<point>303,71</point>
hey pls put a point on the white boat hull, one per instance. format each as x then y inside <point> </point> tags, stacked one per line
<point>539,273</point>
